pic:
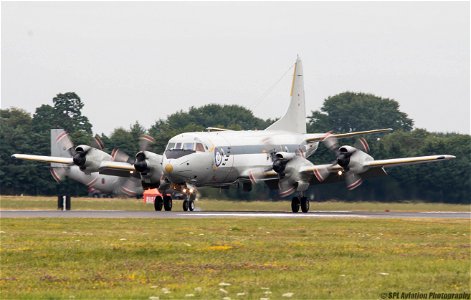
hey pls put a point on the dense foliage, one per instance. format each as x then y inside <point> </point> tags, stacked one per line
<point>445,182</point>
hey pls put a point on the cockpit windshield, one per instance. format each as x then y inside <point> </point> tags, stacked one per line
<point>177,150</point>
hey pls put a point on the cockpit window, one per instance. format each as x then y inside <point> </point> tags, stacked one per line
<point>199,147</point>
<point>177,150</point>
<point>188,146</point>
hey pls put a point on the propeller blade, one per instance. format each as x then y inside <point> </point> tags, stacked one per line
<point>144,141</point>
<point>92,180</point>
<point>286,187</point>
<point>362,144</point>
<point>64,142</point>
<point>97,142</point>
<point>352,180</point>
<point>255,175</point>
<point>321,173</point>
<point>121,156</point>
<point>129,188</point>
<point>330,141</point>
<point>58,174</point>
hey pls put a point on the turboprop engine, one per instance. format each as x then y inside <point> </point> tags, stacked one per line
<point>148,164</point>
<point>88,159</point>
<point>351,159</point>
<point>288,166</point>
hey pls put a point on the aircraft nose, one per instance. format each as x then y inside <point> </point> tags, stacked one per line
<point>168,168</point>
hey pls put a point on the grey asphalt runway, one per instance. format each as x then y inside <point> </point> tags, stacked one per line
<point>244,214</point>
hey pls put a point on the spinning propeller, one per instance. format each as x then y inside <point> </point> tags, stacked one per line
<point>349,158</point>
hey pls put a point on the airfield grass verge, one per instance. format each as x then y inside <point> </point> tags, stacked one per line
<point>80,203</point>
<point>237,258</point>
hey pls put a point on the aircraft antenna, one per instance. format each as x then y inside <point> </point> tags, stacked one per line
<point>272,87</point>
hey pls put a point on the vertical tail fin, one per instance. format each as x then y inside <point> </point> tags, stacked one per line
<point>295,118</point>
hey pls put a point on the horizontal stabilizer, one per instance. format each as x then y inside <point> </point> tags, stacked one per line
<point>48,159</point>
<point>210,129</point>
<point>322,136</point>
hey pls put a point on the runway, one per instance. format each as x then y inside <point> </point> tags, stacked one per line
<point>239,214</point>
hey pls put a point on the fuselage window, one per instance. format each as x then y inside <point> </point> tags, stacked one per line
<point>103,181</point>
<point>199,147</point>
<point>188,146</point>
<point>170,146</point>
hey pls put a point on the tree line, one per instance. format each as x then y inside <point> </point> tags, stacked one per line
<point>21,132</point>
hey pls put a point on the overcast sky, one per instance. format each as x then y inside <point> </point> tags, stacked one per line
<point>143,61</point>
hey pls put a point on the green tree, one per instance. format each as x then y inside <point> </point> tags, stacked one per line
<point>34,134</point>
<point>198,118</point>
<point>350,111</point>
<point>15,134</point>
<point>68,110</point>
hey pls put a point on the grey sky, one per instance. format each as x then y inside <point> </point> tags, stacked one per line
<point>143,61</point>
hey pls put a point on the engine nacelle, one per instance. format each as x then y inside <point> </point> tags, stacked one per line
<point>284,155</point>
<point>351,158</point>
<point>88,159</point>
<point>149,166</point>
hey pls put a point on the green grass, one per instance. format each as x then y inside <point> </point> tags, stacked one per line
<point>50,203</point>
<point>312,258</point>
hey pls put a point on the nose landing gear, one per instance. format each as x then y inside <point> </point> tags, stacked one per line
<point>189,203</point>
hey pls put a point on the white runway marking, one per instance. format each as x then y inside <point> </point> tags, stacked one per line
<point>235,214</point>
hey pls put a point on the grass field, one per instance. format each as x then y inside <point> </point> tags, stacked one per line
<point>236,258</point>
<point>50,203</point>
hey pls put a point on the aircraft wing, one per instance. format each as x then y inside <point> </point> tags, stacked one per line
<point>328,173</point>
<point>115,168</point>
<point>407,161</point>
<point>48,159</point>
<point>322,136</point>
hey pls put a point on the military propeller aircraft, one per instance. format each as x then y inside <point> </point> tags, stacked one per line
<point>277,156</point>
<point>81,164</point>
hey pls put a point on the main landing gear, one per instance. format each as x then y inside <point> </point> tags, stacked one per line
<point>300,202</point>
<point>165,202</point>
<point>189,203</point>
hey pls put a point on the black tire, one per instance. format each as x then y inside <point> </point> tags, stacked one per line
<point>191,205</point>
<point>158,203</point>
<point>295,204</point>
<point>186,205</point>
<point>304,204</point>
<point>168,203</point>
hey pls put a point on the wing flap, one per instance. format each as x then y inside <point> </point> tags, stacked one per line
<point>48,159</point>
<point>121,169</point>
<point>407,161</point>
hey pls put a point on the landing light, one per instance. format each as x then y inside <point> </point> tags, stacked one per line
<point>340,173</point>
<point>184,190</point>
<point>191,191</point>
